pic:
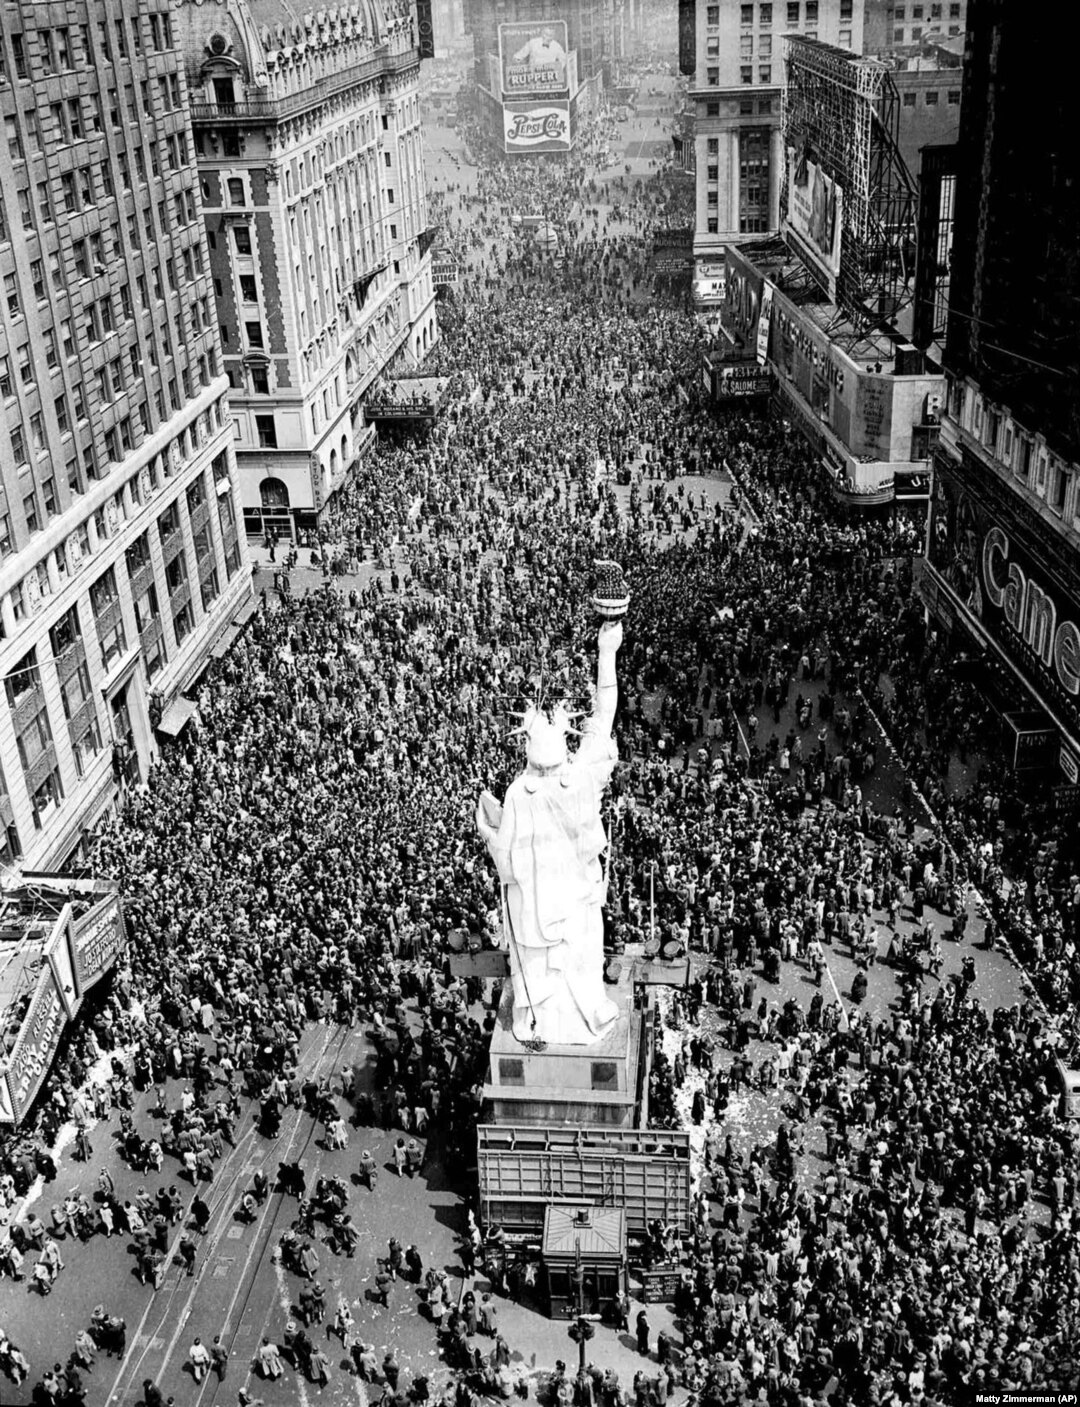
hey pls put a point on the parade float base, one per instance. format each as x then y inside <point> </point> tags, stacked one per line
<point>568,1085</point>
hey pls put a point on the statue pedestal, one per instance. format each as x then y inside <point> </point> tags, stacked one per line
<point>598,1084</point>
<point>567,1126</point>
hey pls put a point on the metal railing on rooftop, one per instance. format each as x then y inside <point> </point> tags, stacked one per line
<point>275,109</point>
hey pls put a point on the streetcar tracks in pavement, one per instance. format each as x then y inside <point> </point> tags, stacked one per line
<point>223,1205</point>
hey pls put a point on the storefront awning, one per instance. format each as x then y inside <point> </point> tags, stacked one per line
<point>244,614</point>
<point>223,644</point>
<point>176,716</point>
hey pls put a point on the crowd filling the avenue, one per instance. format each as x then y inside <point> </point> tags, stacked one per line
<point>305,853</point>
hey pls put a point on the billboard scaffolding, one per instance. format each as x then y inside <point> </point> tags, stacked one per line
<point>847,203</point>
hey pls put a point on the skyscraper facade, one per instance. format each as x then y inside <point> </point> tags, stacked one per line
<point>1003,569</point>
<point>738,76</point>
<point>307,136</point>
<point>121,559</point>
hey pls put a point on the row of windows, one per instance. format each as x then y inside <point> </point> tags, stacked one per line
<point>794,11</point>
<point>1048,477</point>
<point>932,96</point>
<point>935,12</point>
<point>747,108</point>
<point>104,594</point>
<point>30,441</point>
<point>53,571</point>
<point>65,47</point>
<point>903,36</point>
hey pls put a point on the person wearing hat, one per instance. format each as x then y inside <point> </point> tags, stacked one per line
<point>641,1328</point>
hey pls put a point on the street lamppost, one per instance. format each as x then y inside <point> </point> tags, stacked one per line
<point>582,1329</point>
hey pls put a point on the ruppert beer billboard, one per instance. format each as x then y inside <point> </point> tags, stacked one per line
<point>1022,591</point>
<point>536,128</point>
<point>535,60</point>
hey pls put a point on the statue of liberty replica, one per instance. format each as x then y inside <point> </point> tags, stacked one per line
<point>547,840</point>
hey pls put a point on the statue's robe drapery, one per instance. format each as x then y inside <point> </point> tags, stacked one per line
<point>547,850</point>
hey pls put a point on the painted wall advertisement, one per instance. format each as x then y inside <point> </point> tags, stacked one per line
<point>1024,597</point>
<point>534,60</point>
<point>537,128</point>
<point>872,435</point>
<point>814,216</point>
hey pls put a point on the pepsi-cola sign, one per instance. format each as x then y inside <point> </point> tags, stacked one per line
<point>539,127</point>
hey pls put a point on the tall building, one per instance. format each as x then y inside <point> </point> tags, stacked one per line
<point>738,76</point>
<point>307,136</point>
<point>1003,570</point>
<point>890,25</point>
<point>120,556</point>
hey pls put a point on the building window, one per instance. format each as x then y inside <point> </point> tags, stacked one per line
<point>22,680</point>
<point>75,690</point>
<point>46,798</point>
<point>712,14</point>
<point>65,633</point>
<point>175,573</point>
<point>183,621</point>
<point>845,38</point>
<point>746,73</point>
<point>34,737</point>
<point>909,99</point>
<point>712,78</point>
<point>511,1072</point>
<point>793,12</point>
<point>242,239</point>
<point>209,589</point>
<point>604,1075</point>
<point>811,11</point>
<point>712,109</point>
<point>266,431</point>
<point>746,14</point>
<point>764,73</point>
<point>765,14</point>
<point>1059,489</point>
<point>254,333</point>
<point>931,99</point>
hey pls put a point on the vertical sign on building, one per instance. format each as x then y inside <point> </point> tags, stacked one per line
<point>425,30</point>
<point>687,37</point>
<point>764,323</point>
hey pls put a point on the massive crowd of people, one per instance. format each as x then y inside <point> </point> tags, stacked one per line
<point>305,852</point>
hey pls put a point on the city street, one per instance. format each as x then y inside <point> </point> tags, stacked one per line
<point>884,1197</point>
